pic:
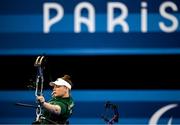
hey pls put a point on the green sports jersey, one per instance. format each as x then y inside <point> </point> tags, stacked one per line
<point>66,105</point>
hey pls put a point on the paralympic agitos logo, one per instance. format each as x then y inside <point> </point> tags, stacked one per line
<point>112,20</point>
<point>156,116</point>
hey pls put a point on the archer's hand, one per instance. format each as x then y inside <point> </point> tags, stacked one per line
<point>40,99</point>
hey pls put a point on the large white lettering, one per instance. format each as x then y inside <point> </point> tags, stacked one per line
<point>47,21</point>
<point>112,22</point>
<point>166,15</point>
<point>80,19</point>
<point>112,19</point>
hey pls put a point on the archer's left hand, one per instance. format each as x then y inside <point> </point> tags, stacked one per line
<point>40,99</point>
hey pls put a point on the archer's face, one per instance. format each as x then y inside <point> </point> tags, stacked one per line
<point>59,91</point>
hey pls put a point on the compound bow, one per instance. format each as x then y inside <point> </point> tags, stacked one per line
<point>39,85</point>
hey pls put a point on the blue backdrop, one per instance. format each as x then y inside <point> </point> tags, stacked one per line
<point>21,29</point>
<point>135,107</point>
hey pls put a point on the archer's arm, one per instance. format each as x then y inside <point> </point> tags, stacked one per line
<point>56,109</point>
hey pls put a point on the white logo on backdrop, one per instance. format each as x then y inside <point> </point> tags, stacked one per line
<point>157,115</point>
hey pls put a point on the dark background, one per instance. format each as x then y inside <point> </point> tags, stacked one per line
<point>95,72</point>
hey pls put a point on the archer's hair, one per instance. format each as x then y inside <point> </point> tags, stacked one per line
<point>67,78</point>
